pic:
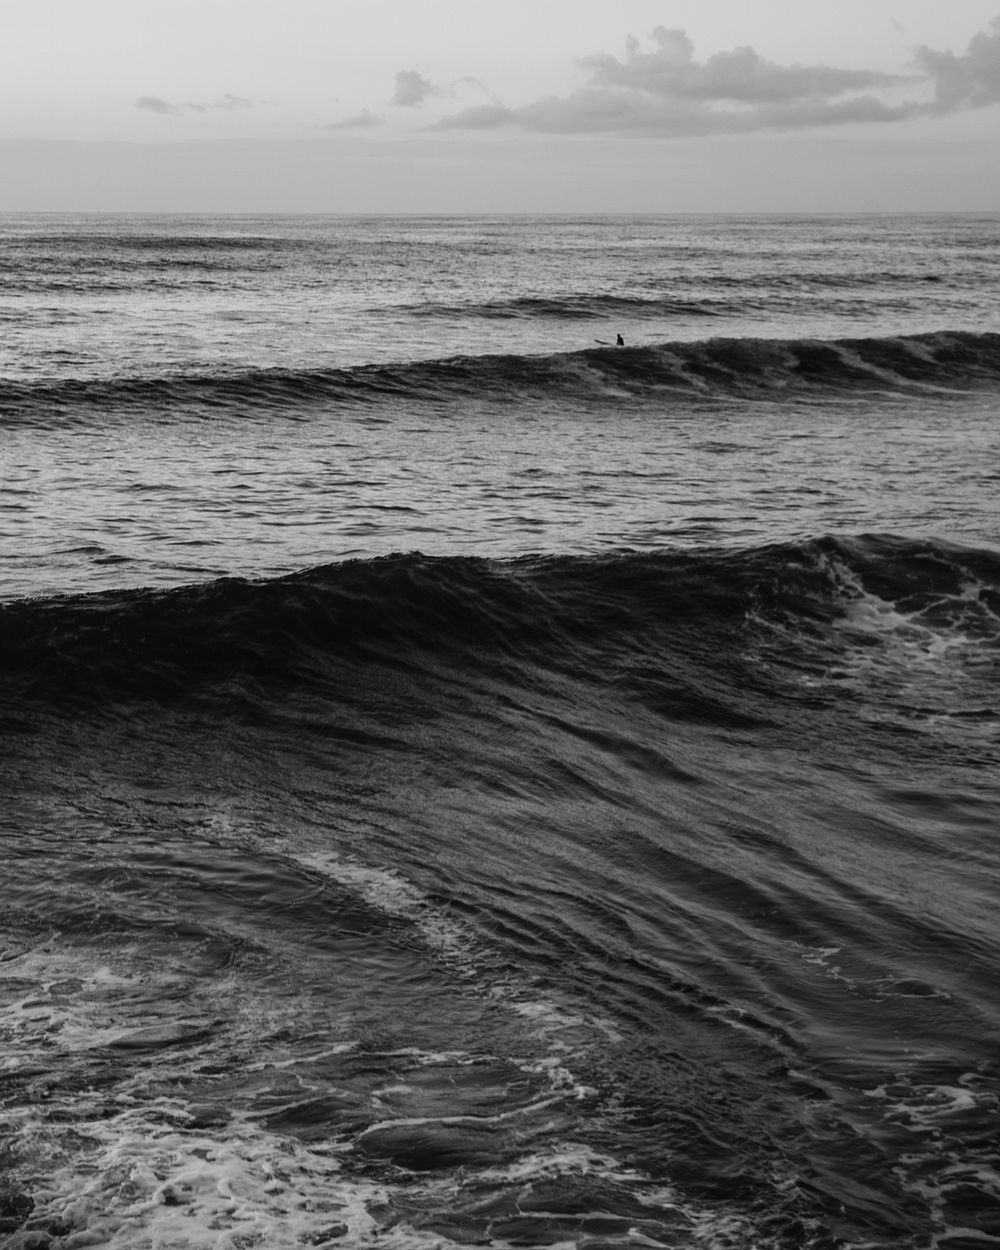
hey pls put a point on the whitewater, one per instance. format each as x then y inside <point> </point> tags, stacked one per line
<point>467,783</point>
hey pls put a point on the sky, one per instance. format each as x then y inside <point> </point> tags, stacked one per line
<point>455,106</point>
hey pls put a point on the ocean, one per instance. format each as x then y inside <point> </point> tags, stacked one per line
<point>468,783</point>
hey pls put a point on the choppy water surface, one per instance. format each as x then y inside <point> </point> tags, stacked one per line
<point>465,784</point>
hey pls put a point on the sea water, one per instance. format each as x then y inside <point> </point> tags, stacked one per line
<point>468,783</point>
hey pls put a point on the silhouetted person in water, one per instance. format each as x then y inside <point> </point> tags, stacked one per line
<point>620,342</point>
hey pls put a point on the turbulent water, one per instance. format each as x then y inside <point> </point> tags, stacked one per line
<point>465,783</point>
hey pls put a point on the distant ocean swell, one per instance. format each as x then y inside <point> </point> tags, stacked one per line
<point>578,308</point>
<point>742,297</point>
<point>939,361</point>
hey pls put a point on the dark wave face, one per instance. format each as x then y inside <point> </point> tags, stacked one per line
<point>800,606</point>
<point>899,632</point>
<point>928,363</point>
<point>563,853</point>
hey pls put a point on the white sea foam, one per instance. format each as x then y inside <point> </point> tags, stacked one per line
<point>139,1164</point>
<point>941,1167</point>
<point>922,663</point>
<point>138,1180</point>
<point>455,943</point>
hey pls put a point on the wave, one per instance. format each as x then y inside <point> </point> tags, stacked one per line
<point>576,308</point>
<point>46,243</point>
<point>625,797</point>
<point>724,367</point>
<point>722,638</point>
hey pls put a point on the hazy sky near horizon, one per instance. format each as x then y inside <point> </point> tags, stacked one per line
<point>519,105</point>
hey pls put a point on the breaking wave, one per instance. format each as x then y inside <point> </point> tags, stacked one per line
<point>701,632</point>
<point>744,367</point>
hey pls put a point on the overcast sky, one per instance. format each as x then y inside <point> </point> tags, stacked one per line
<point>499,105</point>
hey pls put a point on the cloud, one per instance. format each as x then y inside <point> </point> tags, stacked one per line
<point>226,101</point>
<point>965,82</point>
<point>154,104</point>
<point>742,76</point>
<point>483,117</point>
<point>359,121</point>
<point>412,89</point>
<point>666,91</point>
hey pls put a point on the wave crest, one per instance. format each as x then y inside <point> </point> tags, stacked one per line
<point>707,634</point>
<point>942,361</point>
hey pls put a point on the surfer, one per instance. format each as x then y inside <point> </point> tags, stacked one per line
<point>619,341</point>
